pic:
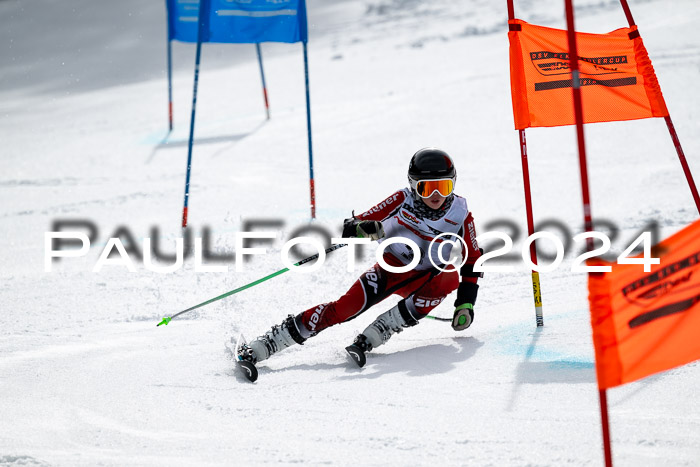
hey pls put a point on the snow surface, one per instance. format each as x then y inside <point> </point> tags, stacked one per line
<point>86,378</point>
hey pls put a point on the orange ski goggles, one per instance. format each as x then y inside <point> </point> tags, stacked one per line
<point>426,188</point>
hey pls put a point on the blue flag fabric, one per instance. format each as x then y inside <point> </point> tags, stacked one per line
<point>238,21</point>
<point>183,16</point>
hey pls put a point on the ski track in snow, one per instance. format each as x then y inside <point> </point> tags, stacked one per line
<point>86,378</point>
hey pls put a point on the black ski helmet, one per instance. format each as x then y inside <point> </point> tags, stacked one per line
<point>431,163</point>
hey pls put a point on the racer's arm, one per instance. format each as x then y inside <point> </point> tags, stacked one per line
<point>468,286</point>
<point>369,223</point>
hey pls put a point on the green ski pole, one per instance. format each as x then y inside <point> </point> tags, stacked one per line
<point>437,318</point>
<point>167,319</point>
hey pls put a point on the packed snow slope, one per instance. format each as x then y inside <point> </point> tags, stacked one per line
<point>86,378</point>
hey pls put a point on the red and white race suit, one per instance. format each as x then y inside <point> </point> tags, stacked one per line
<point>424,287</point>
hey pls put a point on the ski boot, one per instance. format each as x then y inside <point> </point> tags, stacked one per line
<point>380,331</point>
<point>278,338</point>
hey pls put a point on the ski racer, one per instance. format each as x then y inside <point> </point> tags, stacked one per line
<point>419,213</point>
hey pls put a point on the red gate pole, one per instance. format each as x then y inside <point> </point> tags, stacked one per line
<point>671,129</point>
<point>578,113</point>
<point>684,162</point>
<point>536,290</point>
<point>603,397</point>
<point>628,12</point>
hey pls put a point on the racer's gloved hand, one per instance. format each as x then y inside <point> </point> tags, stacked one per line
<point>463,317</point>
<point>363,229</point>
<point>464,306</point>
<point>374,230</point>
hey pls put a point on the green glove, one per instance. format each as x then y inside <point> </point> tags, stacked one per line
<point>463,317</point>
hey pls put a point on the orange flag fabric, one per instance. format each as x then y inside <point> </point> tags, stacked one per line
<point>616,77</point>
<point>647,322</point>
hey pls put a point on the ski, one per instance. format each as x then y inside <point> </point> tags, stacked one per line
<point>248,369</point>
<point>356,354</point>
